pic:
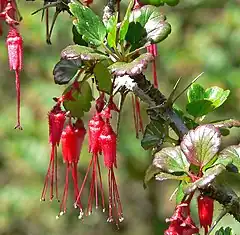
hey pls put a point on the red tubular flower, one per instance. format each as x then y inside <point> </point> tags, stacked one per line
<point>95,126</point>
<point>205,211</point>
<point>72,140</point>
<point>56,119</point>
<point>15,54</point>
<point>108,141</point>
<point>94,129</point>
<point>138,123</point>
<point>153,50</point>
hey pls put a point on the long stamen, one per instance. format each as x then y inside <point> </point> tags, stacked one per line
<point>101,185</point>
<point>43,197</point>
<point>139,116</point>
<point>17,80</point>
<point>110,206</point>
<point>56,173</point>
<point>63,206</point>
<point>134,116</point>
<point>83,184</point>
<point>52,174</point>
<point>75,182</point>
<point>120,211</point>
<point>96,182</point>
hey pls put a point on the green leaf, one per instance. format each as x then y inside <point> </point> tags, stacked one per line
<point>201,145</point>
<point>88,24</point>
<point>133,68</point>
<point>77,38</point>
<point>82,52</point>
<point>125,23</point>
<point>170,160</point>
<point>103,78</point>
<point>195,93</point>
<point>217,95</point>
<point>154,134</point>
<point>229,155</point>
<point>226,231</point>
<point>201,102</point>
<point>65,70</point>
<point>180,193</point>
<point>112,30</point>
<point>153,23</point>
<point>199,108</point>
<point>82,100</point>
<point>207,178</point>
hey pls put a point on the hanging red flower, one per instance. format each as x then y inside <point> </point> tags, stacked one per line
<point>56,120</point>
<point>71,140</point>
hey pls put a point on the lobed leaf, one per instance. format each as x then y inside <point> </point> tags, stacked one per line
<point>154,27</point>
<point>83,53</point>
<point>201,145</point>
<point>133,68</point>
<point>170,160</point>
<point>154,134</point>
<point>88,24</point>
<point>65,70</point>
<point>229,155</point>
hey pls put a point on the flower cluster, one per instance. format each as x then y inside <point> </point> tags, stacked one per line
<point>181,222</point>
<point>102,140</point>
<point>9,14</point>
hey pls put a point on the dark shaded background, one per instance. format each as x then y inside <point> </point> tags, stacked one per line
<point>205,37</point>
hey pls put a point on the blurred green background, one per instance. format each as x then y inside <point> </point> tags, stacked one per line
<point>205,37</point>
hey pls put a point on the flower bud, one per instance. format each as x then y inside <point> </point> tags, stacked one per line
<point>205,211</point>
<point>15,49</point>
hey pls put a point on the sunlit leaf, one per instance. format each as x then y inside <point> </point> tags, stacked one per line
<point>82,52</point>
<point>162,176</point>
<point>201,102</point>
<point>112,30</point>
<point>171,159</point>
<point>65,70</point>
<point>195,93</point>
<point>201,145</point>
<point>88,24</point>
<point>217,95</point>
<point>133,68</point>
<point>125,23</point>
